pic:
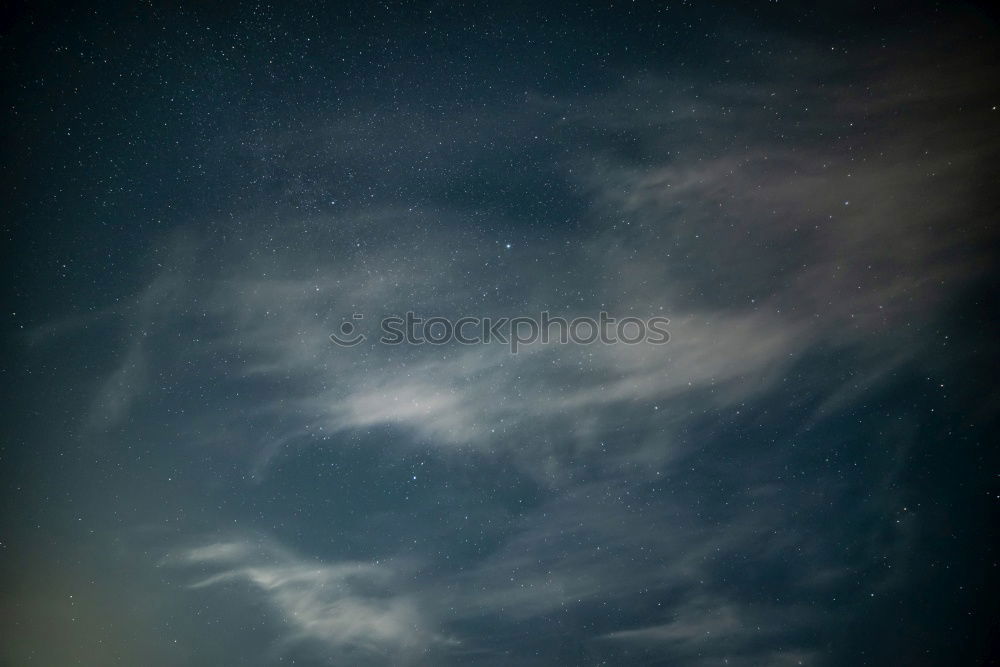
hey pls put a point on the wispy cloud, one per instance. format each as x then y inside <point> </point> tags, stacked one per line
<point>761,251</point>
<point>350,607</point>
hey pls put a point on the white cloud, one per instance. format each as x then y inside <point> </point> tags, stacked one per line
<point>350,607</point>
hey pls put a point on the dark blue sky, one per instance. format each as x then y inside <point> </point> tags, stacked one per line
<point>195,198</point>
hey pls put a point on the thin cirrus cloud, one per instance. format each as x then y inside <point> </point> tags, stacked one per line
<point>826,213</point>
<point>582,551</point>
<point>760,249</point>
<point>347,607</point>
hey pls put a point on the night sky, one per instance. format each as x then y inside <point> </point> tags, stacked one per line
<point>194,199</point>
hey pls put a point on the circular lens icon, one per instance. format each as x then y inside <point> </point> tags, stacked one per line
<point>347,337</point>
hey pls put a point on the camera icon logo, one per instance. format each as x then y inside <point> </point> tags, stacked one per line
<point>347,336</point>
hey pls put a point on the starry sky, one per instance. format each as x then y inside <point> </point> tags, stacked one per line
<point>195,197</point>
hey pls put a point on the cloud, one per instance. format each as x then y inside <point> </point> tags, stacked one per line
<point>694,626</point>
<point>763,249</point>
<point>736,495</point>
<point>349,607</point>
<point>599,551</point>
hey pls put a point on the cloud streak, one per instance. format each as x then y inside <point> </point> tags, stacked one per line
<point>349,607</point>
